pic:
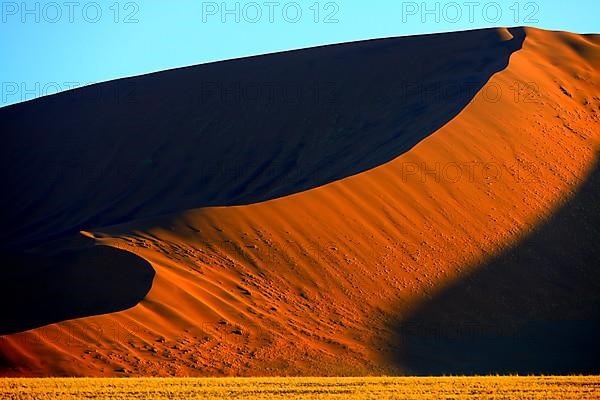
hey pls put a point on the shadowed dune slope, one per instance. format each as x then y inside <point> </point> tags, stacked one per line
<point>533,309</point>
<point>329,281</point>
<point>39,289</point>
<point>232,132</point>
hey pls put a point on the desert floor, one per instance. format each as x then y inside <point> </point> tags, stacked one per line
<point>493,387</point>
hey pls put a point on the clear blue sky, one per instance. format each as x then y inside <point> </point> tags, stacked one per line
<point>48,46</point>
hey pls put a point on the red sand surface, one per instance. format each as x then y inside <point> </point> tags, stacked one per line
<point>432,232</point>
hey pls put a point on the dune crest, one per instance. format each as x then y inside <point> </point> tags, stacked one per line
<point>318,276</point>
<point>505,34</point>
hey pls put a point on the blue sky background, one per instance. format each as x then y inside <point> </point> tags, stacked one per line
<point>50,46</point>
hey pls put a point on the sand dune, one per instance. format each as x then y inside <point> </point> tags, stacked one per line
<point>233,132</point>
<point>328,211</point>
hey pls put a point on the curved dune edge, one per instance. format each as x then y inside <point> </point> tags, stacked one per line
<point>80,280</point>
<point>309,284</point>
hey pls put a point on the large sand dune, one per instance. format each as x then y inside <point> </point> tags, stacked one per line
<point>425,204</point>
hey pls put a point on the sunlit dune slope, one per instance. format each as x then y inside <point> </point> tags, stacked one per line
<point>329,253</point>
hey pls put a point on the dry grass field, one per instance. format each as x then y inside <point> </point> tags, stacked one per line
<point>543,388</point>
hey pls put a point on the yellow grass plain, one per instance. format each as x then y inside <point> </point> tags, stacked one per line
<point>413,388</point>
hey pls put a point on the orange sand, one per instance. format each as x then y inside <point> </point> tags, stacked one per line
<point>311,283</point>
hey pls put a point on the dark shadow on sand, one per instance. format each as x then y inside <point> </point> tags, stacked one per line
<point>535,309</point>
<point>36,290</point>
